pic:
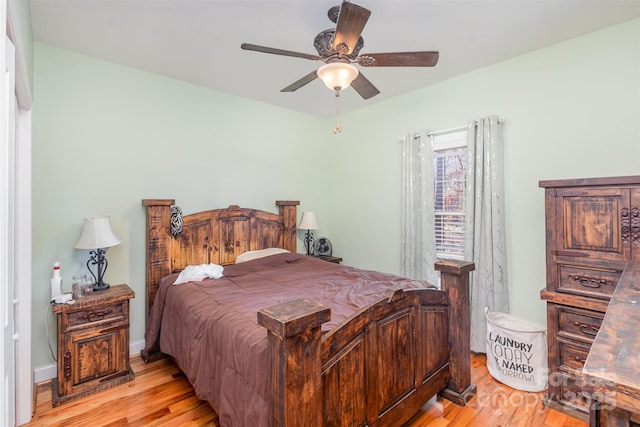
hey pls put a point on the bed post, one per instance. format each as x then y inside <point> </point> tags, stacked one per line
<point>295,377</point>
<point>454,278</point>
<point>288,212</point>
<point>158,256</point>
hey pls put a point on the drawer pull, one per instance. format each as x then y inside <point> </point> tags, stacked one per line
<point>590,282</point>
<point>586,329</point>
<point>625,225</point>
<point>67,365</point>
<point>579,359</point>
<point>94,315</point>
<point>635,226</point>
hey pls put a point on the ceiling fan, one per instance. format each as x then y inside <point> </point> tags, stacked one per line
<point>339,48</point>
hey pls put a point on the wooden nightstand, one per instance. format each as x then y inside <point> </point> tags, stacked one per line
<point>93,344</point>
<point>334,259</point>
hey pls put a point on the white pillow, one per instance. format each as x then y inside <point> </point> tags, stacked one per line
<point>249,255</point>
<point>193,273</point>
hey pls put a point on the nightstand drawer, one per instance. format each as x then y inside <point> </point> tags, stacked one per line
<point>579,324</point>
<point>95,316</point>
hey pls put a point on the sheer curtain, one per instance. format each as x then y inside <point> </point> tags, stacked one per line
<point>418,247</point>
<point>484,218</point>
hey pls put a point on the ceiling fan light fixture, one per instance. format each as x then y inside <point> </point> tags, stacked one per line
<point>337,75</point>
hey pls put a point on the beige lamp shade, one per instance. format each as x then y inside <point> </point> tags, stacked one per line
<point>309,221</point>
<point>97,233</point>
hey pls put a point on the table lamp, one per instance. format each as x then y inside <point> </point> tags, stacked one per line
<point>308,222</point>
<point>96,236</point>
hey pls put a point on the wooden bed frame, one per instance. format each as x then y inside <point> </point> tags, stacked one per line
<point>377,369</point>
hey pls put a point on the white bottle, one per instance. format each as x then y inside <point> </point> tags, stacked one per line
<point>56,281</point>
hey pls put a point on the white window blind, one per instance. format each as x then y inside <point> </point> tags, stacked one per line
<point>450,170</point>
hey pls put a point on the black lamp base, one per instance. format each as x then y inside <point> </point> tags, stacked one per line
<point>308,242</point>
<point>100,287</point>
<point>98,259</point>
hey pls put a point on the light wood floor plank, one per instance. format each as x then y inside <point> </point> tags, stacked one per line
<point>161,396</point>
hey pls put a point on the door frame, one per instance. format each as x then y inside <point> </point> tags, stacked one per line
<point>7,233</point>
<point>22,211</point>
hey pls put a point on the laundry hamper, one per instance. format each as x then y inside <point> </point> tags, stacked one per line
<point>516,351</point>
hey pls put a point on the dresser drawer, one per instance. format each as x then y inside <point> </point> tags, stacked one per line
<point>578,324</point>
<point>572,355</point>
<point>587,281</point>
<point>571,392</point>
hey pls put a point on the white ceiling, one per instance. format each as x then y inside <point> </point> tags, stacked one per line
<point>198,41</point>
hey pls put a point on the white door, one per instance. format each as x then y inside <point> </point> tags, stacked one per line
<point>7,233</point>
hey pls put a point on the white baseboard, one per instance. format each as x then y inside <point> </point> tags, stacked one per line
<point>135,348</point>
<point>47,372</point>
<point>44,373</point>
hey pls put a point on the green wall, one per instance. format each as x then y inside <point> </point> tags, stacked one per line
<point>571,110</point>
<point>107,136</point>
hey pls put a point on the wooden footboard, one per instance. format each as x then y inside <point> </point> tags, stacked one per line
<point>381,366</point>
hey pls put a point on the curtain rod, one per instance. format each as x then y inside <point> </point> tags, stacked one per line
<point>456,129</point>
<point>450,130</point>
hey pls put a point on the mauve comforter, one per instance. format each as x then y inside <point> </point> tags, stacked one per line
<point>211,328</point>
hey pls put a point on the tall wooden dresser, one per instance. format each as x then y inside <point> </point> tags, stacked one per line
<point>592,231</point>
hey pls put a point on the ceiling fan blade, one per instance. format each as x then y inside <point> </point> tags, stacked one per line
<point>264,49</point>
<point>399,59</point>
<point>351,22</point>
<point>299,83</point>
<point>364,87</point>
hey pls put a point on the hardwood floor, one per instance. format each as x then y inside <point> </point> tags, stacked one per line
<point>160,395</point>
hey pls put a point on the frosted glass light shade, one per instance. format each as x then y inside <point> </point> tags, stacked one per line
<point>97,234</point>
<point>308,221</point>
<point>337,75</point>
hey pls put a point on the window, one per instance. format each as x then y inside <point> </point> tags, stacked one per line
<point>437,222</point>
<point>450,170</point>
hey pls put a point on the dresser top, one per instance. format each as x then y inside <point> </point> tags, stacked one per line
<point>613,366</point>
<point>581,182</point>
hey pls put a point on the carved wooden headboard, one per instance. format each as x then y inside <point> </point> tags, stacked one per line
<point>216,236</point>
